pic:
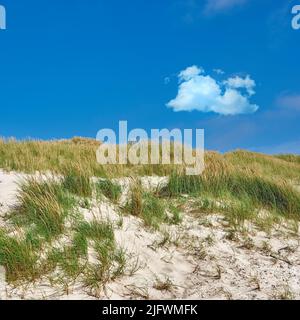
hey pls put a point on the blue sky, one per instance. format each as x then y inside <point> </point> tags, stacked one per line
<point>229,66</point>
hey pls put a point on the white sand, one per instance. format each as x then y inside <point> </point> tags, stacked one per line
<point>198,261</point>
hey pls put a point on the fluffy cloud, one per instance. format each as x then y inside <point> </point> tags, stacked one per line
<point>239,83</point>
<point>201,92</point>
<point>215,6</point>
<point>189,73</point>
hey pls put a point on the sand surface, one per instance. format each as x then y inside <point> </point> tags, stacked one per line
<point>194,260</point>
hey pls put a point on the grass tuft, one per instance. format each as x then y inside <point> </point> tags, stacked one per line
<point>18,258</point>
<point>43,206</point>
<point>147,206</point>
<point>250,189</point>
<point>77,181</point>
<point>110,189</point>
<point>134,206</point>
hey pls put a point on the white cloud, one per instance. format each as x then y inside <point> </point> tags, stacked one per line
<point>203,93</point>
<point>215,6</point>
<point>240,83</point>
<point>189,73</point>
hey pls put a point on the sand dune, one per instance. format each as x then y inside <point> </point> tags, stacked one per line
<point>194,260</point>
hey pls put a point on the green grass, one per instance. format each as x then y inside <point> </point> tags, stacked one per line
<point>134,205</point>
<point>42,206</point>
<point>21,260</point>
<point>111,260</point>
<point>235,211</point>
<point>110,189</point>
<point>176,215</point>
<point>154,211</point>
<point>68,260</point>
<point>77,181</point>
<point>251,190</point>
<point>73,259</point>
<point>149,207</point>
<point>238,184</point>
<point>96,231</point>
<point>18,258</point>
<point>96,276</point>
<point>42,211</point>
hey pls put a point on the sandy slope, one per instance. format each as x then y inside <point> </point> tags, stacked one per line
<point>198,259</point>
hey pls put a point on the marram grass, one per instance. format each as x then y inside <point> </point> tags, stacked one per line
<point>277,196</point>
<point>32,155</point>
<point>44,206</point>
<point>243,182</point>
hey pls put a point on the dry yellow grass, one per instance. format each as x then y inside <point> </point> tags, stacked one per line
<point>55,156</point>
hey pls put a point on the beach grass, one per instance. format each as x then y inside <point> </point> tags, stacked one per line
<point>47,212</point>
<point>109,189</point>
<point>241,185</point>
<point>43,205</point>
